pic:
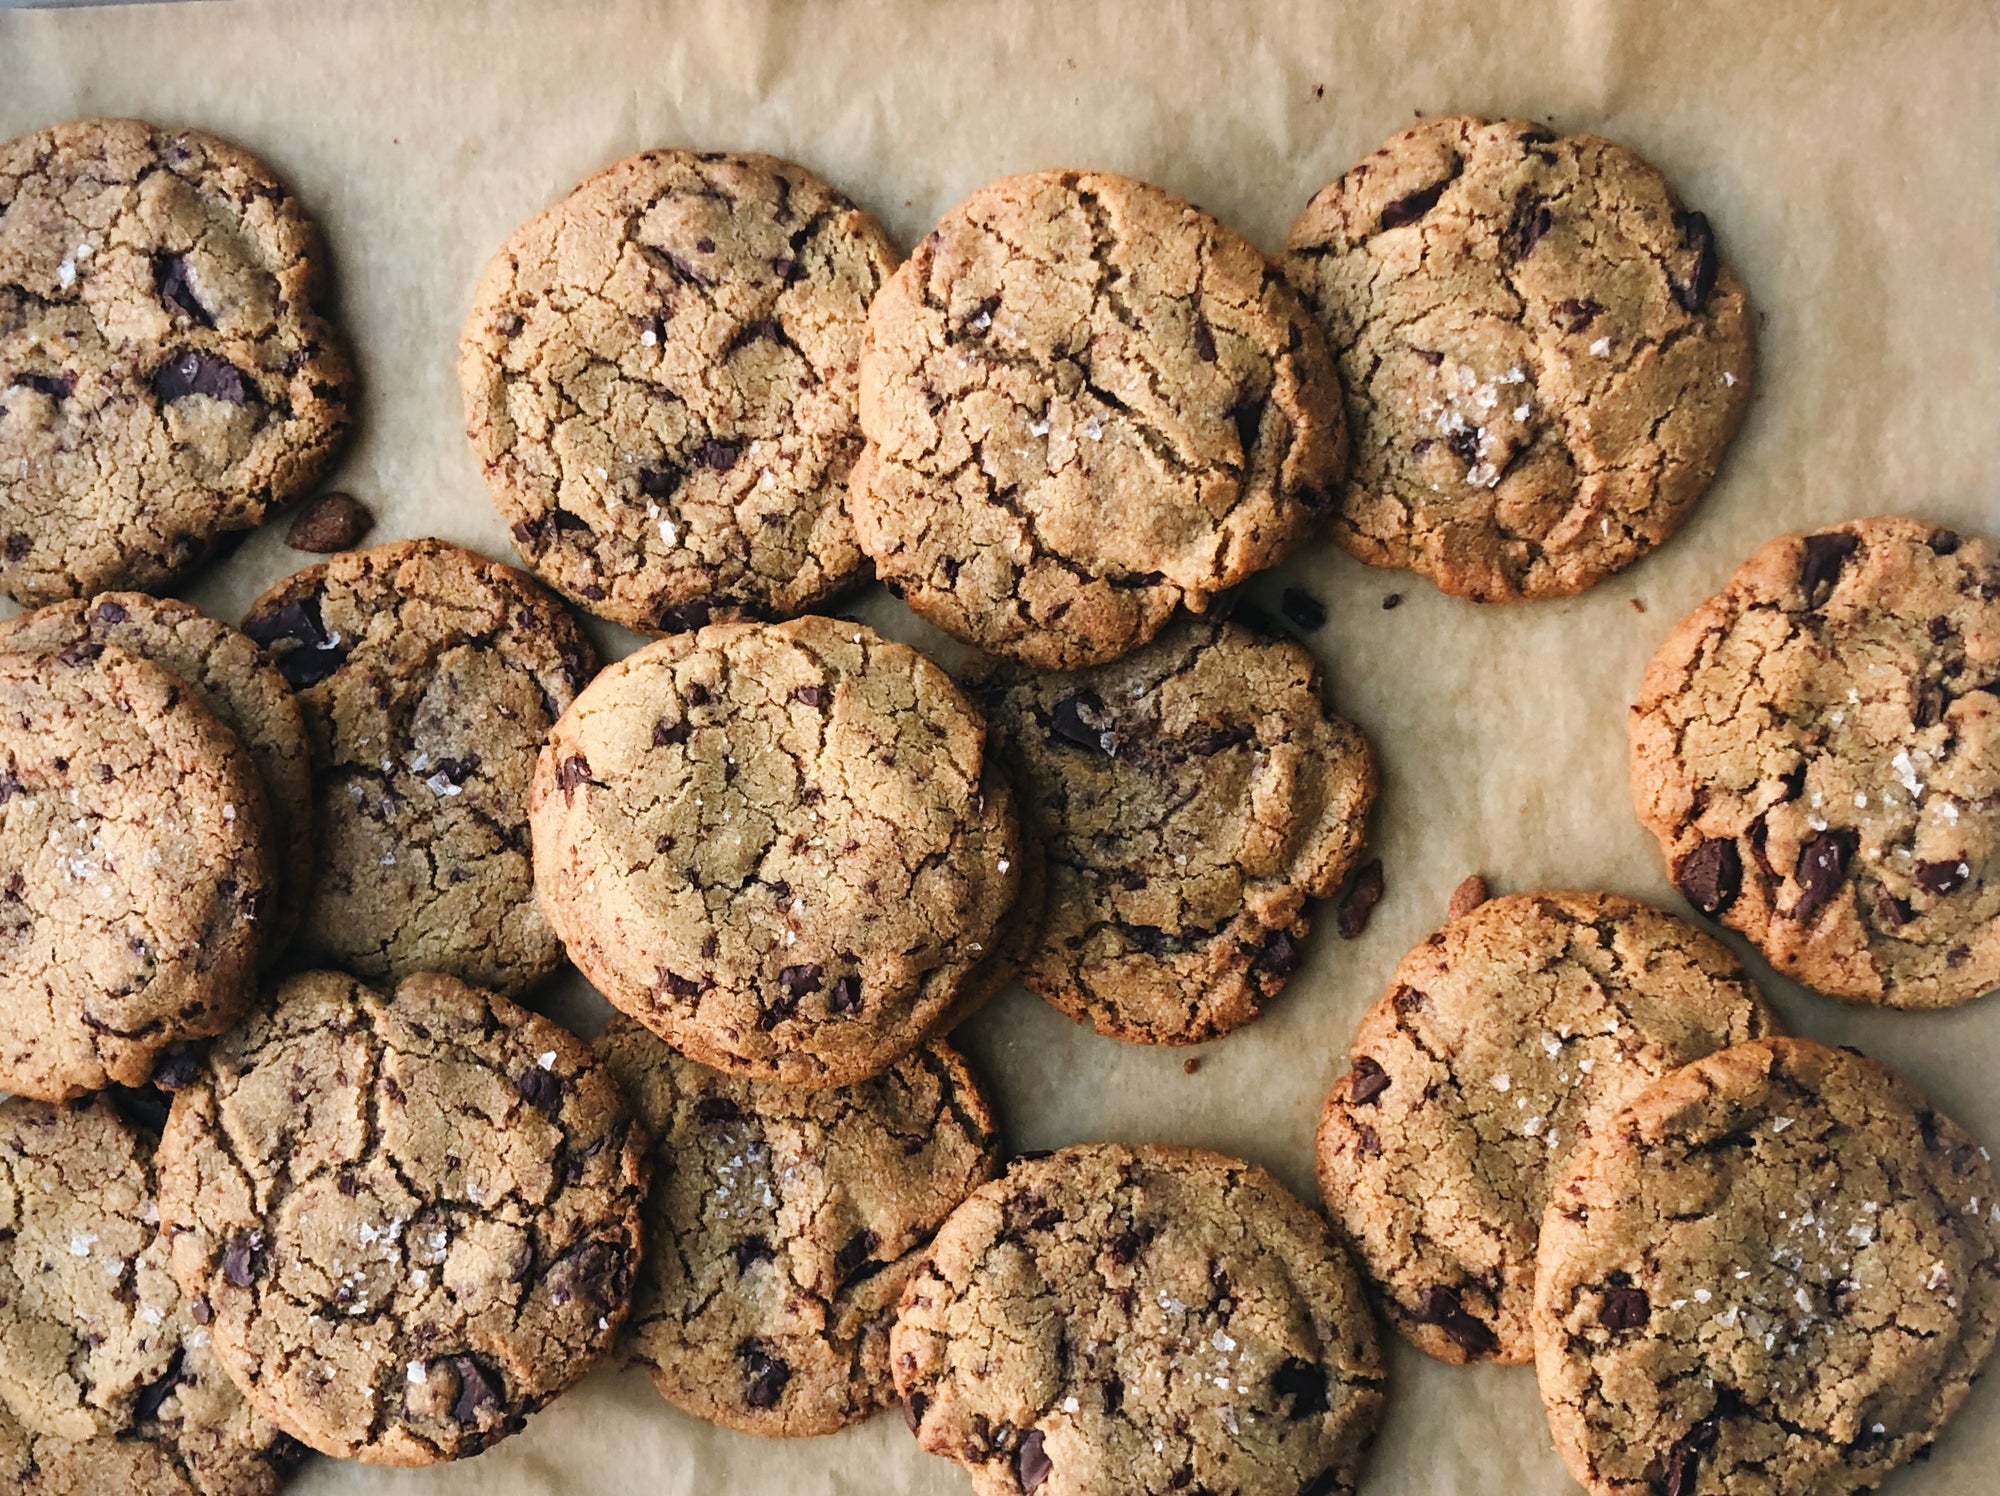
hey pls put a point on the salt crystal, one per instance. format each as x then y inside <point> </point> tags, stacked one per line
<point>1601,347</point>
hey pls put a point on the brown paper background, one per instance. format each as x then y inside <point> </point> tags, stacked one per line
<point>1847,155</point>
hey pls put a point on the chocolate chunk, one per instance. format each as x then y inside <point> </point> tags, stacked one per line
<point>172,286</point>
<point>176,1068</point>
<point>1711,876</point>
<point>108,612</point>
<point>1280,955</point>
<point>239,1259</point>
<point>55,386</point>
<point>192,371</point>
<point>1369,1080</point>
<point>331,522</point>
<point>1532,219</point>
<point>845,996</point>
<point>1301,1384</point>
<point>1468,896</point>
<point>659,482</point>
<point>806,695</point>
<point>570,773</point>
<point>687,617</point>
<point>1031,1463</point>
<point>539,1087</point>
<point>799,980</point>
<point>144,1107</point>
<point>574,524</point>
<point>1574,316</point>
<point>764,1375</point>
<point>666,734</point>
<point>913,1410</point>
<point>751,1250</point>
<point>147,1402</point>
<point>850,1259</point>
<point>19,543</point>
<point>1892,911</point>
<point>1821,870</point>
<point>315,654</point>
<point>1684,1459</point>
<point>1441,1307</point>
<point>478,1402</point>
<point>1364,892</point>
<point>1825,555</point>
<point>716,1109</point>
<point>1204,339</point>
<point>1307,611</point>
<point>1067,722</point>
<point>1248,415</point>
<point>1412,206</point>
<point>1945,542</point>
<point>677,985</point>
<point>1392,601</point>
<point>1624,1309</point>
<point>1941,878</point>
<point>719,455</point>
<point>1697,236</point>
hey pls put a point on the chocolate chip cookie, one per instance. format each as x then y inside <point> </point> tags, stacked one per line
<point>1817,748</point>
<point>106,1379</point>
<point>1104,1319</point>
<point>428,677</point>
<point>1778,1270</point>
<point>167,374</point>
<point>1543,354</point>
<point>783,1225</point>
<point>1192,797</point>
<point>224,671</point>
<point>1087,403</point>
<point>659,377</point>
<point>783,847</point>
<point>409,1221</point>
<point>138,865</point>
<point>1505,1041</point>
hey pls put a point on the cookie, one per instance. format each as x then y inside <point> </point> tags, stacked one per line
<point>1543,355</point>
<point>411,1221</point>
<point>139,865</point>
<point>1778,1270</point>
<point>659,377</point>
<point>167,374</point>
<point>1817,748</point>
<point>223,669</point>
<point>783,847</point>
<point>1192,797</point>
<point>1105,1319</point>
<point>1505,1041</point>
<point>783,1225</point>
<point>106,1381</point>
<point>428,677</point>
<point>1087,403</point>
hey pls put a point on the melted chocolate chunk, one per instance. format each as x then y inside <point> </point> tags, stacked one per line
<point>1067,721</point>
<point>1280,955</point>
<point>718,455</point>
<point>799,980</point>
<point>193,371</point>
<point>850,1259</point>
<point>764,1375</point>
<point>55,386</point>
<point>1711,876</point>
<point>659,482</point>
<point>172,286</point>
<point>149,1399</point>
<point>1443,1308</point>
<point>315,654</point>
<point>1412,206</point>
<point>239,1260</point>
<point>1300,1384</point>
<point>1821,870</point>
<point>1825,555</point>
<point>1624,1309</point>
<point>1941,878</point>
<point>570,773</point>
<point>478,1402</point>
<point>845,995</point>
<point>1368,1081</point>
<point>1031,1463</point>
<point>539,1087</point>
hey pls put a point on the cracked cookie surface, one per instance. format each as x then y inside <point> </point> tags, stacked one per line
<point>660,380</point>
<point>106,1379</point>
<point>134,830</point>
<point>1087,402</point>
<point>1505,1041</point>
<point>412,1220</point>
<point>1191,797</point>
<point>1817,749</point>
<point>1776,1271</point>
<point>783,1225</point>
<point>1543,356</point>
<point>166,374</point>
<point>784,848</point>
<point>1106,1319</point>
<point>223,669</point>
<point>428,677</point>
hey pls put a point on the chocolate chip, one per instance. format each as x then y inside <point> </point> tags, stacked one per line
<point>1280,955</point>
<point>1301,1384</point>
<point>1821,869</point>
<point>913,1410</point>
<point>667,734</point>
<point>1031,1463</point>
<point>1441,1307</point>
<point>678,985</point>
<point>806,695</point>
<point>193,371</point>
<point>1892,911</point>
<point>1684,1459</point>
<point>539,1087</point>
<point>1369,1081</point>
<point>1468,896</point>
<point>751,1250</point>
<point>1624,1309</point>
<point>570,773</point>
<point>108,612</point>
<point>315,654</point>
<point>1204,339</point>
<point>1697,236</point>
<point>172,286</point>
<point>1574,316</point>
<point>478,1402</point>
<point>176,1068</point>
<point>764,1375</point>
<point>1068,723</point>
<point>1409,208</point>
<point>1941,878</point>
<point>1825,555</point>
<point>659,482</point>
<point>845,996</point>
<point>147,1402</point>
<point>1711,876</point>
<point>239,1260</point>
<point>1945,542</point>
<point>799,980</point>
<point>55,386</point>
<point>1364,892</point>
<point>1307,611</point>
<point>849,1259</point>
<point>719,455</point>
<point>1392,601</point>
<point>331,522</point>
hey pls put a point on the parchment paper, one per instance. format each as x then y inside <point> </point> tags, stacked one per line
<point>1847,155</point>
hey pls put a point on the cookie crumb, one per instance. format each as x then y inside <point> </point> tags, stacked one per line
<point>1638,605</point>
<point>332,522</point>
<point>1468,896</point>
<point>1191,1064</point>
<point>1393,600</point>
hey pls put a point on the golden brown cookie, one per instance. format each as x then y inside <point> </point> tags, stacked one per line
<point>1817,749</point>
<point>1505,1041</point>
<point>428,677</point>
<point>1777,1270</point>
<point>1544,357</point>
<point>135,868</point>
<point>1087,403</point>
<point>1103,1320</point>
<point>659,377</point>
<point>166,371</point>
<point>1192,797</point>
<point>782,847</point>
<point>410,1221</point>
<point>783,1225</point>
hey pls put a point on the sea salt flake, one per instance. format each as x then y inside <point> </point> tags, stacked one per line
<point>1502,1081</point>
<point>1779,1124</point>
<point>81,1243</point>
<point>416,1373</point>
<point>1601,347</point>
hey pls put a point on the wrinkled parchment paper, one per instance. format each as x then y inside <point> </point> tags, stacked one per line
<point>1849,158</point>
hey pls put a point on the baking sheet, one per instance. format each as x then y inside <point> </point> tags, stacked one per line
<point>1848,156</point>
